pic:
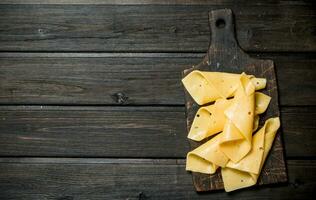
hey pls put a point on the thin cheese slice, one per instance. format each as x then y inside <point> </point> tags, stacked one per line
<point>235,179</point>
<point>209,120</point>
<point>261,104</point>
<point>251,162</point>
<point>207,157</point>
<point>237,133</point>
<point>205,87</point>
<point>245,173</point>
<point>255,123</point>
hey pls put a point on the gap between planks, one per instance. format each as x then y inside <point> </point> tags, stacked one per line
<point>135,2</point>
<point>149,161</point>
<point>38,160</point>
<point>140,54</point>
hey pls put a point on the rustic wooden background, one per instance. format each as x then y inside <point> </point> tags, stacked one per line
<point>92,105</point>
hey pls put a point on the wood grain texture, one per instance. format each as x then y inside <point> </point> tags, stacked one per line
<point>299,123</point>
<point>141,2</point>
<point>97,78</point>
<point>90,80</point>
<point>92,131</point>
<point>49,178</point>
<point>296,80</point>
<point>261,26</point>
<point>66,131</point>
<point>225,55</point>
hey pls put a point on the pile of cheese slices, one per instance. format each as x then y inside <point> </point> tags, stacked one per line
<point>229,121</point>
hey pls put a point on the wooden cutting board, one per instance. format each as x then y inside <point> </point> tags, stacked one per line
<point>225,55</point>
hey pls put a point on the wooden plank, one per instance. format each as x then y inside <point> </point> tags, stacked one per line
<point>296,79</point>
<point>299,131</point>
<point>71,131</point>
<point>137,2</point>
<point>92,131</point>
<point>48,178</point>
<point>97,78</point>
<point>261,26</point>
<point>142,80</point>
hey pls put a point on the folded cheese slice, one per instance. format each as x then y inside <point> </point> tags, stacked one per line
<point>255,123</point>
<point>210,120</point>
<point>245,173</point>
<point>205,87</point>
<point>237,133</point>
<point>261,104</point>
<point>207,157</point>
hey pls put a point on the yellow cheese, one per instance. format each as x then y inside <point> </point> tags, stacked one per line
<point>235,179</point>
<point>259,83</point>
<point>262,102</point>
<point>210,120</point>
<point>251,162</point>
<point>207,157</point>
<point>245,173</point>
<point>205,87</point>
<point>237,133</point>
<point>255,123</point>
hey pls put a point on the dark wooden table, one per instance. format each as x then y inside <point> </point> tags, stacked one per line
<point>92,105</point>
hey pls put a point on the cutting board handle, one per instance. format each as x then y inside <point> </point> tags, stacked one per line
<point>222,27</point>
<point>222,39</point>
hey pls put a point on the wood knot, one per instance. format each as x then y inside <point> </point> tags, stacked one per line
<point>120,97</point>
<point>141,196</point>
<point>296,183</point>
<point>173,29</point>
<point>40,31</point>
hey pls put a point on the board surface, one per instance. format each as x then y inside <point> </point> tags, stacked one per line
<point>225,55</point>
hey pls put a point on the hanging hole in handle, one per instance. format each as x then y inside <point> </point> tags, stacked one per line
<point>220,23</point>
